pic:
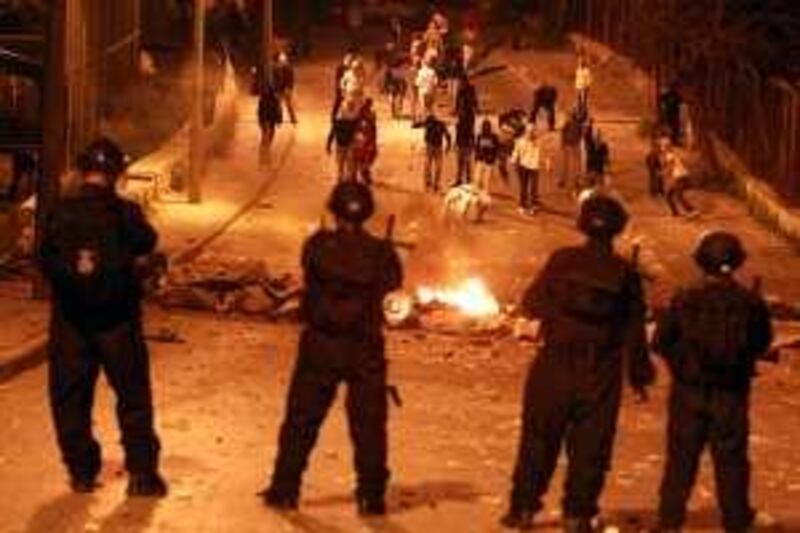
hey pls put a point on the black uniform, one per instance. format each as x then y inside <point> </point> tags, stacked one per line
<point>347,275</point>
<point>711,336</point>
<point>88,251</point>
<point>590,304</point>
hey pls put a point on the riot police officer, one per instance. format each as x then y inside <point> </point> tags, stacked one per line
<point>711,336</point>
<point>91,242</point>
<point>589,301</point>
<point>347,274</point>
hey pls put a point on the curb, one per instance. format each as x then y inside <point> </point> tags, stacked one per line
<point>15,361</point>
<point>761,201</point>
<point>33,352</point>
<point>190,252</point>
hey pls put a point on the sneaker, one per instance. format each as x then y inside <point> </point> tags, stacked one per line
<point>692,214</point>
<point>522,211</point>
<point>147,485</point>
<point>371,507</point>
<point>516,519</point>
<point>83,485</point>
<point>278,501</point>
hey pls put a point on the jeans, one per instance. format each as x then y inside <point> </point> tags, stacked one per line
<point>528,187</point>
<point>464,165</point>
<point>484,175</point>
<point>676,196</point>
<point>287,98</point>
<point>344,163</point>
<point>433,168</point>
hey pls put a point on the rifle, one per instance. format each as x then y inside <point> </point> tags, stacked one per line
<point>773,354</point>
<point>392,390</point>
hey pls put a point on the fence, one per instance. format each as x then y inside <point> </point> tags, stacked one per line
<point>758,118</point>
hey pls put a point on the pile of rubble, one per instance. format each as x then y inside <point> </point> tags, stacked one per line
<point>230,285</point>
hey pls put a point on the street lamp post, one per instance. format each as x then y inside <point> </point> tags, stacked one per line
<point>267,31</point>
<point>196,141</point>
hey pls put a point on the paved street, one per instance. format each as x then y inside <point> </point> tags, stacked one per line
<point>220,392</point>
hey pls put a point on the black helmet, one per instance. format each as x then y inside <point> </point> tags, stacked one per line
<point>104,156</point>
<point>719,252</point>
<point>352,201</point>
<point>602,217</point>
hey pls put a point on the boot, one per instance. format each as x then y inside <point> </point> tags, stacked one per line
<point>371,506</point>
<point>278,501</point>
<point>518,519</point>
<point>147,485</point>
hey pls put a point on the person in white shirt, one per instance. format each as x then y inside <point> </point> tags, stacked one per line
<point>678,182</point>
<point>526,158</point>
<point>352,84</point>
<point>583,81</point>
<point>426,84</point>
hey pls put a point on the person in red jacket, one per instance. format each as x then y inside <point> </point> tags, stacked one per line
<point>365,143</point>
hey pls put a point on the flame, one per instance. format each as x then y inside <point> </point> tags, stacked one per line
<point>470,297</point>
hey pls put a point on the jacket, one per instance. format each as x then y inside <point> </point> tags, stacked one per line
<point>713,332</point>
<point>118,232</point>
<point>487,147</point>
<point>347,275</point>
<point>590,299</point>
<point>526,153</point>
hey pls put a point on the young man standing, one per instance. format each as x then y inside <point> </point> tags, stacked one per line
<point>437,142</point>
<point>526,158</point>
<point>487,148</point>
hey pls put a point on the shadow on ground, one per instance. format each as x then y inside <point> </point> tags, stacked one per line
<point>71,513</point>
<point>707,518</point>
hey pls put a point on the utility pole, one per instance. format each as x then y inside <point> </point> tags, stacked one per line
<point>267,31</point>
<point>54,126</point>
<point>196,140</point>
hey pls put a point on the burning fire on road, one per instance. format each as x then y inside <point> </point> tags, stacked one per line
<point>470,297</point>
<point>466,306</point>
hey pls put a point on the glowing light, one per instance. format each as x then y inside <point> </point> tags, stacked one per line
<point>470,297</point>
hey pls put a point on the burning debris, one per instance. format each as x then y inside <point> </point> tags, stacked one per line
<point>471,297</point>
<point>464,308</point>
